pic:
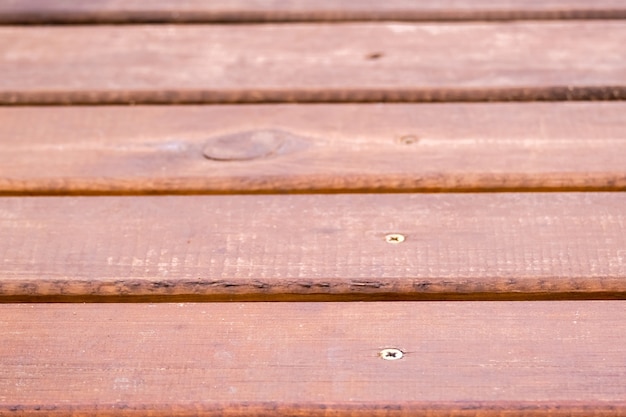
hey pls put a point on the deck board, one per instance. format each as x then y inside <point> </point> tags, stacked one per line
<point>297,149</point>
<point>198,11</point>
<point>478,358</point>
<point>313,148</point>
<point>281,247</point>
<point>351,62</point>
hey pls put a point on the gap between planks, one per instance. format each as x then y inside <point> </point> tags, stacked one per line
<point>249,11</point>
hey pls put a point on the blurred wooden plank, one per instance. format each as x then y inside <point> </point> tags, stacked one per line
<point>461,358</point>
<point>393,147</point>
<point>222,11</point>
<point>353,62</point>
<point>318,247</point>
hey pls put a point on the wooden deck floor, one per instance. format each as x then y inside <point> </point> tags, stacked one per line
<point>313,208</point>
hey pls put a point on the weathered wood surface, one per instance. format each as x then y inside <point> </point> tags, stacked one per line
<point>287,148</point>
<point>460,358</point>
<point>199,11</point>
<point>259,247</point>
<point>353,62</point>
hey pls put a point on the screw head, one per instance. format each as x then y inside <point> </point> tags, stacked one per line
<point>374,55</point>
<point>391,354</point>
<point>394,238</point>
<point>408,139</point>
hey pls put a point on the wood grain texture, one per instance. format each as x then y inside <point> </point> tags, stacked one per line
<point>257,247</point>
<point>352,62</point>
<point>322,359</point>
<point>320,148</point>
<point>199,11</point>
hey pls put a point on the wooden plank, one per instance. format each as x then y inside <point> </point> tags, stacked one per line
<point>393,147</point>
<point>461,358</point>
<point>352,62</point>
<point>198,11</point>
<point>315,247</point>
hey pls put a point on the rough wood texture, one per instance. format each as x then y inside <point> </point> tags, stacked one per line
<point>287,148</point>
<point>322,359</point>
<point>258,247</point>
<point>343,63</point>
<point>199,11</point>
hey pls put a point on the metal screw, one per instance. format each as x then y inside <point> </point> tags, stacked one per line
<point>408,139</point>
<point>374,55</point>
<point>394,238</point>
<point>391,354</point>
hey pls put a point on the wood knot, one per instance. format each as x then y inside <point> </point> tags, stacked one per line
<point>246,146</point>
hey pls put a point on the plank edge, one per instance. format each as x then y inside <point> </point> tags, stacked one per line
<point>28,16</point>
<point>314,289</point>
<point>298,95</point>
<point>327,409</point>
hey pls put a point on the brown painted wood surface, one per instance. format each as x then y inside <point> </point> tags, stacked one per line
<point>464,358</point>
<point>287,148</point>
<point>352,62</point>
<point>461,358</point>
<point>272,247</point>
<point>199,11</point>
